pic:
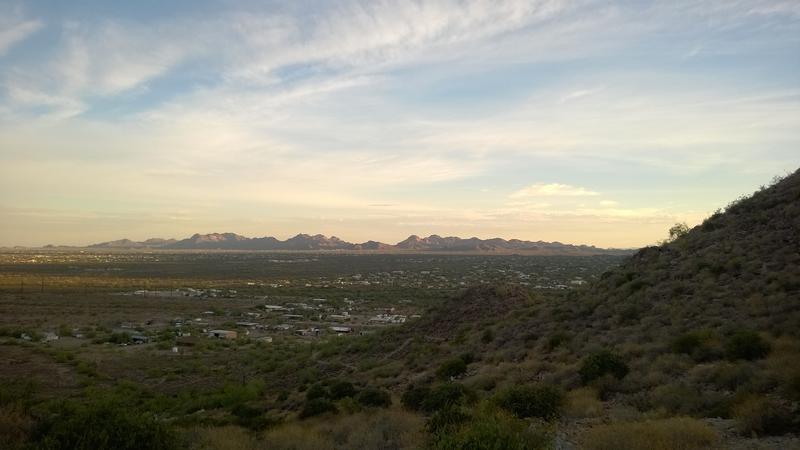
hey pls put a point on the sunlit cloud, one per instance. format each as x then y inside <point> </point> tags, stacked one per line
<point>15,29</point>
<point>552,190</point>
<point>247,117</point>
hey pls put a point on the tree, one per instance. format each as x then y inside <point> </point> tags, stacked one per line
<point>677,231</point>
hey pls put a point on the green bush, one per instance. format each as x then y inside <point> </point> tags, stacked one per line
<point>747,345</point>
<point>414,397</point>
<point>759,415</point>
<point>492,430</point>
<point>342,389</point>
<point>602,363</point>
<point>120,338</point>
<point>542,401</point>
<point>687,343</point>
<point>374,397</point>
<point>444,395</point>
<point>317,391</point>
<point>447,417</point>
<point>556,340</point>
<point>77,427</point>
<point>316,407</point>
<point>452,368</point>
<point>487,336</point>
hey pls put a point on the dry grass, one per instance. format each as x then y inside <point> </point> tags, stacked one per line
<point>583,403</point>
<point>370,429</point>
<point>666,434</point>
<point>15,427</point>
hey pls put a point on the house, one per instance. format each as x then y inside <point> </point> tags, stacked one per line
<point>276,308</point>
<point>223,334</point>
<point>139,339</point>
<point>49,336</point>
<point>265,339</point>
<point>341,330</point>
<point>308,332</point>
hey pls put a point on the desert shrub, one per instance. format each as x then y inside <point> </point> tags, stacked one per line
<point>491,429</point>
<point>687,343</point>
<point>601,363</point>
<point>414,397</point>
<point>483,383</point>
<point>316,407</point>
<point>677,398</point>
<point>15,427</point>
<point>582,402</point>
<point>747,345</point>
<point>452,368</point>
<point>542,401</point>
<point>250,417</point>
<point>556,340</point>
<point>445,395</point>
<point>487,336</point>
<point>447,417</point>
<point>342,389</point>
<point>92,427</point>
<point>758,415</point>
<point>666,434</point>
<point>317,391</point>
<point>382,429</point>
<point>374,397</point>
<point>120,338</point>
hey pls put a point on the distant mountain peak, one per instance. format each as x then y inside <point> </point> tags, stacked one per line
<point>308,242</point>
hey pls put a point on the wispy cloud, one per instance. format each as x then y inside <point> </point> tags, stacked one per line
<point>552,190</point>
<point>445,110</point>
<point>14,28</point>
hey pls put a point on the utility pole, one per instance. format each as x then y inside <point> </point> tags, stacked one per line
<point>42,291</point>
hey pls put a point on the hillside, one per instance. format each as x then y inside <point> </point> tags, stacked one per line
<point>706,326</point>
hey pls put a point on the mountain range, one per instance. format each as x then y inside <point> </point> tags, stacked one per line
<point>433,243</point>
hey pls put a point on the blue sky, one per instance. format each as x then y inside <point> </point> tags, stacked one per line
<point>582,121</point>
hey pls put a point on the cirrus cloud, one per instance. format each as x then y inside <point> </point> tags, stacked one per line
<point>552,190</point>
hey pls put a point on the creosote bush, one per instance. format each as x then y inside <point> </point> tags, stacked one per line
<point>492,429</point>
<point>342,389</point>
<point>542,401</point>
<point>746,344</point>
<point>92,427</point>
<point>316,407</point>
<point>452,368</point>
<point>601,363</point>
<point>758,415</point>
<point>374,397</point>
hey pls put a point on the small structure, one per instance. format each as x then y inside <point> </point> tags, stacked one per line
<point>308,332</point>
<point>343,317</point>
<point>341,330</point>
<point>140,339</point>
<point>223,334</point>
<point>49,336</point>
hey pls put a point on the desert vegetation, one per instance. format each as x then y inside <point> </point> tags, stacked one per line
<point>689,344</point>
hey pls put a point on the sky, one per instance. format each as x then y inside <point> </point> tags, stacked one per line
<point>586,122</point>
